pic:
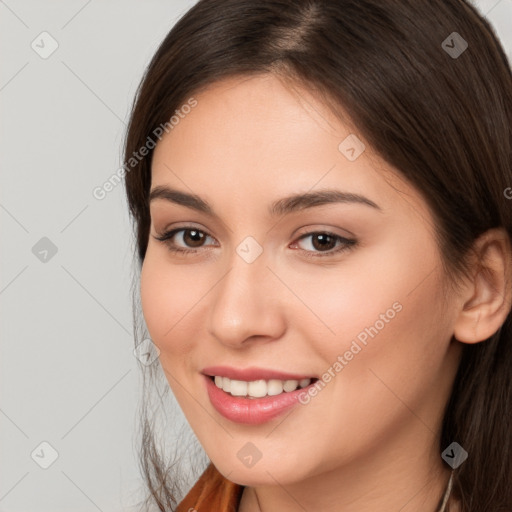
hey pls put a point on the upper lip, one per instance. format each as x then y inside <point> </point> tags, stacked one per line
<point>252,374</point>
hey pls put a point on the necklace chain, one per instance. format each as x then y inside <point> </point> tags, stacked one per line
<point>447,494</point>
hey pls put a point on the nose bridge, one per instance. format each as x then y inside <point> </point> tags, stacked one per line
<point>246,302</point>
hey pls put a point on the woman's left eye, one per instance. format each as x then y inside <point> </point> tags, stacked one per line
<point>324,243</point>
<point>320,243</point>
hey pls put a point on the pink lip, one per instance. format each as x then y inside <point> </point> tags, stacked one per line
<point>251,374</point>
<point>251,411</point>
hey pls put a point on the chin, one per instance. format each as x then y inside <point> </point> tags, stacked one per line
<point>262,473</point>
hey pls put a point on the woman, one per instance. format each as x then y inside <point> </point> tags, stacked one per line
<point>319,191</point>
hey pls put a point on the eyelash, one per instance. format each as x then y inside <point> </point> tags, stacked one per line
<point>346,243</point>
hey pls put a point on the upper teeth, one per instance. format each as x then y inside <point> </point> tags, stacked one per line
<point>258,388</point>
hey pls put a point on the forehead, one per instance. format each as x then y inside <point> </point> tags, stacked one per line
<point>257,137</point>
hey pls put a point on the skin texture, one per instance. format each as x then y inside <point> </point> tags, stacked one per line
<point>370,439</point>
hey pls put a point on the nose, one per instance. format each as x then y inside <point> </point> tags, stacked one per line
<point>247,304</point>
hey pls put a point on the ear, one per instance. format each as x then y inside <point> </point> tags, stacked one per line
<point>486,297</point>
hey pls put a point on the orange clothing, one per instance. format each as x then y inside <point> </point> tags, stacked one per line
<point>212,493</point>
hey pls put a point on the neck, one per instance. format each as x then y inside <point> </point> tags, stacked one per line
<point>412,482</point>
<point>254,500</point>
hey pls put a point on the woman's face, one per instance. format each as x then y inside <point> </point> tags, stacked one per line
<point>346,288</point>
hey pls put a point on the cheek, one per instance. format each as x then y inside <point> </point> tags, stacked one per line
<point>386,361</point>
<point>365,290</point>
<point>381,312</point>
<point>395,358</point>
<point>168,297</point>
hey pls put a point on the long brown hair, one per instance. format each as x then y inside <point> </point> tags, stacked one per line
<point>442,119</point>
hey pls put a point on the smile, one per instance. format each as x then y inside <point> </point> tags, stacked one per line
<point>254,410</point>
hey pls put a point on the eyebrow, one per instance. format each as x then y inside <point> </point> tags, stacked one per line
<point>293,203</point>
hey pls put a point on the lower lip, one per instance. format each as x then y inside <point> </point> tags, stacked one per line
<point>251,411</point>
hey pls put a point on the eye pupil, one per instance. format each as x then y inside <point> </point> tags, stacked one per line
<point>326,242</point>
<point>193,237</point>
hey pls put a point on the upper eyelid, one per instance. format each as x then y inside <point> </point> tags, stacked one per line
<point>309,230</point>
<point>170,233</point>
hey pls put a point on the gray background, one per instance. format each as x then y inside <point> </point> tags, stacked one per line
<point>68,374</point>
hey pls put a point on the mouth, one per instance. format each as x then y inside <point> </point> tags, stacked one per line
<point>239,404</point>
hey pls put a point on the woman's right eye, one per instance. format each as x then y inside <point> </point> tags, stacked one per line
<point>188,241</point>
